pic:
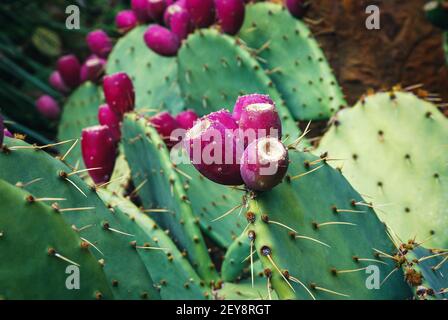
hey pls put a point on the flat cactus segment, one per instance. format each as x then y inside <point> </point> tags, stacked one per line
<point>38,248</point>
<point>313,229</point>
<point>210,201</point>
<point>171,272</point>
<point>237,259</point>
<point>293,60</point>
<point>214,70</point>
<point>154,76</point>
<point>161,191</point>
<point>395,152</point>
<point>244,290</point>
<point>46,177</point>
<point>80,111</point>
<point>121,176</point>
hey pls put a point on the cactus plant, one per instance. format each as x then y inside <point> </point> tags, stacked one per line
<point>392,150</point>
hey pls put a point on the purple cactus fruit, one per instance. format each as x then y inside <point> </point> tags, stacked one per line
<point>212,148</point>
<point>48,107</point>
<point>99,150</point>
<point>69,68</point>
<point>125,21</point>
<point>264,164</point>
<point>224,117</point>
<point>92,69</point>
<point>156,9</point>
<point>243,101</point>
<point>297,8</point>
<point>180,23</point>
<point>56,82</point>
<point>186,119</point>
<point>230,15</point>
<point>119,93</point>
<point>162,40</point>
<point>259,120</point>
<point>202,12</point>
<point>140,8</point>
<point>7,133</point>
<point>107,117</point>
<point>165,124</point>
<point>99,43</point>
<point>173,8</point>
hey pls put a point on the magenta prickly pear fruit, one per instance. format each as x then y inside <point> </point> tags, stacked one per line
<point>140,8</point>
<point>224,117</point>
<point>156,9</point>
<point>48,107</point>
<point>180,23</point>
<point>260,120</point>
<point>297,8</point>
<point>99,150</point>
<point>212,148</point>
<point>92,69</point>
<point>264,164</point>
<point>7,133</point>
<point>107,117</point>
<point>230,15</point>
<point>69,68</point>
<point>119,93</point>
<point>202,12</point>
<point>125,21</point>
<point>173,8</point>
<point>56,82</point>
<point>99,43</point>
<point>186,119</point>
<point>165,124</point>
<point>243,101</point>
<point>162,40</point>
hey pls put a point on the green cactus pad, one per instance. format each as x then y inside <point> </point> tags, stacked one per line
<point>394,150</point>
<point>121,176</point>
<point>160,187</point>
<point>80,111</point>
<point>172,274</point>
<point>214,70</point>
<point>45,177</point>
<point>37,249</point>
<point>235,261</point>
<point>293,60</point>
<point>154,76</point>
<point>313,227</point>
<point>244,290</point>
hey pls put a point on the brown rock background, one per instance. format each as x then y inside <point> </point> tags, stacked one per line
<point>406,50</point>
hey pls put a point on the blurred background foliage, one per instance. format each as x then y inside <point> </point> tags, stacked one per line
<point>32,36</point>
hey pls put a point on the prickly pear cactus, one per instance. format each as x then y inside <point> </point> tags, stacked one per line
<point>214,70</point>
<point>245,291</point>
<point>161,191</point>
<point>48,248</point>
<point>237,259</point>
<point>171,272</point>
<point>47,177</point>
<point>154,76</point>
<point>80,111</point>
<point>319,240</point>
<point>293,60</point>
<point>393,150</point>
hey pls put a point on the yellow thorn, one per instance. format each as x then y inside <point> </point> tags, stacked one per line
<point>76,209</point>
<point>71,182</point>
<point>304,286</point>
<point>331,291</point>
<point>306,173</point>
<point>312,239</point>
<point>228,212</point>
<point>281,273</point>
<point>69,150</point>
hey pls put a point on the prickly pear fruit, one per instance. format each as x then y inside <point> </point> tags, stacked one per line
<point>162,40</point>
<point>99,43</point>
<point>48,107</point>
<point>56,82</point>
<point>156,8</point>
<point>69,68</point>
<point>186,119</point>
<point>107,117</point>
<point>125,21</point>
<point>202,12</point>
<point>140,8</point>
<point>180,23</point>
<point>297,8</point>
<point>92,69</point>
<point>7,133</point>
<point>243,101</point>
<point>230,15</point>
<point>119,93</point>
<point>98,151</point>
<point>212,148</point>
<point>260,120</point>
<point>224,117</point>
<point>264,164</point>
<point>165,124</point>
<point>172,9</point>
